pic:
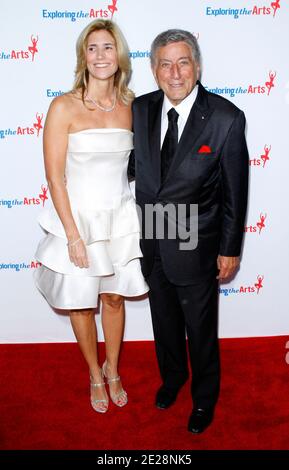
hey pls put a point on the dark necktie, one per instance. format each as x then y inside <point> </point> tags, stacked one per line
<point>170,142</point>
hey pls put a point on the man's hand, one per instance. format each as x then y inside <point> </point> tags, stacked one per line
<point>227,265</point>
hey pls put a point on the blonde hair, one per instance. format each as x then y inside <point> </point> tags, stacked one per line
<point>123,73</point>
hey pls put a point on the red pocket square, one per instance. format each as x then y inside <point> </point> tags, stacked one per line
<point>205,149</point>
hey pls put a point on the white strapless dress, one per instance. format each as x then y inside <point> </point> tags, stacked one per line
<point>105,213</point>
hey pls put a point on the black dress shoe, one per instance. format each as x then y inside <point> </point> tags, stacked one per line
<point>200,419</point>
<point>165,398</point>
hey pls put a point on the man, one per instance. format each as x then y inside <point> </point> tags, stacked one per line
<point>189,149</point>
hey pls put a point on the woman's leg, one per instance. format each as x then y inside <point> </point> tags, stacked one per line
<point>113,328</point>
<point>84,327</point>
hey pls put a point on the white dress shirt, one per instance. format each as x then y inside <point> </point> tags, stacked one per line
<point>183,109</point>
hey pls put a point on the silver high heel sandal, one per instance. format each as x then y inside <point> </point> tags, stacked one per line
<point>119,399</point>
<point>101,406</point>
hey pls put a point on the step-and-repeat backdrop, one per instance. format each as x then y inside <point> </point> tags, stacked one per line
<point>244,44</point>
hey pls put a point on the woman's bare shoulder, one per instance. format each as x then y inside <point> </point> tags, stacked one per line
<point>66,102</point>
<point>62,109</point>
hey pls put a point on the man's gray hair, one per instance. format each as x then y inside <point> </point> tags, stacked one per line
<point>176,35</point>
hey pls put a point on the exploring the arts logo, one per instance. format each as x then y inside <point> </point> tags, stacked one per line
<point>106,11</point>
<point>32,129</point>
<point>251,288</point>
<point>261,160</point>
<point>18,266</point>
<point>269,9</point>
<point>264,88</point>
<point>27,53</point>
<point>27,200</point>
<point>39,200</point>
<point>259,226</point>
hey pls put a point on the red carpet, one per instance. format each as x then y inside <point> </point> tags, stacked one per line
<point>45,400</point>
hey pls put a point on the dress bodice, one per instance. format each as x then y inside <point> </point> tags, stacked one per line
<point>96,167</point>
<point>96,179</point>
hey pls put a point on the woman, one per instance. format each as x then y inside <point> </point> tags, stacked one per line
<point>92,245</point>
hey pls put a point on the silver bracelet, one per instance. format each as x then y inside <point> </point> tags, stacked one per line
<point>73,243</point>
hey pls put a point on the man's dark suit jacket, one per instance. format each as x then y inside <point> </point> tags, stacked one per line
<point>216,180</point>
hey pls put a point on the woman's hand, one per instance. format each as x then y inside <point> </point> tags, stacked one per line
<point>77,253</point>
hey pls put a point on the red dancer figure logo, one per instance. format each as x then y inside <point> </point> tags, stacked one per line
<point>33,49</point>
<point>112,8</point>
<point>265,157</point>
<point>261,224</point>
<point>38,124</point>
<point>259,284</point>
<point>43,195</point>
<point>270,84</point>
<point>275,6</point>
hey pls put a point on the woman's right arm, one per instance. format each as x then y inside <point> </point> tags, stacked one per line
<point>55,140</point>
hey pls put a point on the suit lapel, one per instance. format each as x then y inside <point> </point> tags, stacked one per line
<point>195,125</point>
<point>154,134</point>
